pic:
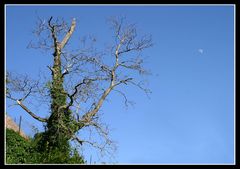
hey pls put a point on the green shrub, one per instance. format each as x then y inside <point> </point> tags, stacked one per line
<point>17,149</point>
<point>22,151</point>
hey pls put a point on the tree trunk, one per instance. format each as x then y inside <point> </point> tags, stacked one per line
<point>56,136</point>
<point>60,116</point>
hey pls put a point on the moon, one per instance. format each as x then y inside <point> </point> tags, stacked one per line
<point>200,51</point>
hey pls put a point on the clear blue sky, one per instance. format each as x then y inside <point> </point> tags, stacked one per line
<point>189,117</point>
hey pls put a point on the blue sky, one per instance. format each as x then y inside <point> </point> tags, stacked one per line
<point>189,117</point>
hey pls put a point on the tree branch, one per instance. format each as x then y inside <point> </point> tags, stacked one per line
<point>31,113</point>
<point>94,144</point>
<point>87,117</point>
<point>123,81</point>
<point>84,81</point>
<point>124,96</point>
<point>10,97</point>
<point>68,35</point>
<point>74,93</point>
<point>53,33</point>
<point>90,114</point>
<point>66,71</point>
<point>51,69</point>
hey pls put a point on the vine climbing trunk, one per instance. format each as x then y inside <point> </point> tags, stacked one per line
<point>56,136</point>
<point>59,114</point>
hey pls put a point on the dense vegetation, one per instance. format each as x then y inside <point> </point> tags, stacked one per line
<point>22,151</point>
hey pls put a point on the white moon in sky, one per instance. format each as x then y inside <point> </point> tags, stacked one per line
<point>200,51</point>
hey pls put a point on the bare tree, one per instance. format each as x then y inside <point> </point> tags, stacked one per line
<point>81,80</point>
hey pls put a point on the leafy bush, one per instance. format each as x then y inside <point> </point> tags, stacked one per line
<point>20,151</point>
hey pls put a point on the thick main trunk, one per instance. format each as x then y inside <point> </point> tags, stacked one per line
<point>60,117</point>
<point>57,135</point>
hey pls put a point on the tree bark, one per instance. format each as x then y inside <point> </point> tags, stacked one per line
<point>60,116</point>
